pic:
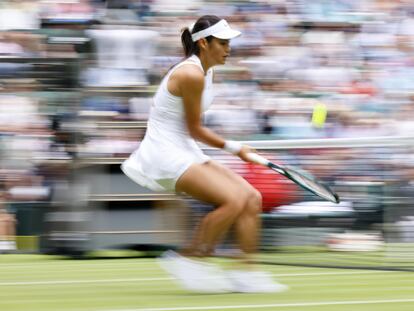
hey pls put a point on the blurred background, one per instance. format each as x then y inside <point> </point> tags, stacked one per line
<point>76,83</point>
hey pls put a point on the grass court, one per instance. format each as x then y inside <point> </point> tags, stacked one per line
<point>46,283</point>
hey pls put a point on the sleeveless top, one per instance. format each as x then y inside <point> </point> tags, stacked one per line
<point>167,149</point>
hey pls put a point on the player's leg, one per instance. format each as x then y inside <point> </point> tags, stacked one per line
<point>207,183</point>
<point>247,225</point>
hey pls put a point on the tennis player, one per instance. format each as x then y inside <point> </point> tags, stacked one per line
<point>169,159</point>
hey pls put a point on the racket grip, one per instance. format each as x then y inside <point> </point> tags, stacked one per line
<point>254,157</point>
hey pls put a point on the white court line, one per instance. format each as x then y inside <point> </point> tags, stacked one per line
<point>336,273</point>
<point>63,264</point>
<point>155,269</point>
<point>84,269</point>
<point>57,282</point>
<point>277,305</point>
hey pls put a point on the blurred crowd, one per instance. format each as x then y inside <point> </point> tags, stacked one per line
<point>77,76</point>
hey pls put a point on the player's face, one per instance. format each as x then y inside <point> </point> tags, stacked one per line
<point>219,50</point>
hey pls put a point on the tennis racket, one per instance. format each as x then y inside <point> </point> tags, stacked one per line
<point>306,181</point>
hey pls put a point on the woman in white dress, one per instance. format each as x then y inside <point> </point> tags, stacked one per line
<point>169,159</point>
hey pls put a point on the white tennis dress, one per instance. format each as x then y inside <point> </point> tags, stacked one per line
<point>167,149</point>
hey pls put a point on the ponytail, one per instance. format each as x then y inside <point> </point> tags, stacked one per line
<point>189,46</point>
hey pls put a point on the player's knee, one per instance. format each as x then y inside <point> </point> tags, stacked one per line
<point>254,202</point>
<point>237,204</point>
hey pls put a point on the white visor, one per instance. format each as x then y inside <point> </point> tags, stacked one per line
<point>219,30</point>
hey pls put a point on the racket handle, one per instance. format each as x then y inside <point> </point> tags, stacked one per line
<point>254,157</point>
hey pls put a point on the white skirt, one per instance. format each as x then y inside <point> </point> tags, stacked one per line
<point>158,163</point>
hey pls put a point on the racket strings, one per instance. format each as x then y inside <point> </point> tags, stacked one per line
<point>312,185</point>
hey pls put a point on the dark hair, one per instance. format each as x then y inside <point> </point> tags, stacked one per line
<point>203,22</point>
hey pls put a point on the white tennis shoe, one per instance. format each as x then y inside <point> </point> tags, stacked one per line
<point>195,276</point>
<point>254,282</point>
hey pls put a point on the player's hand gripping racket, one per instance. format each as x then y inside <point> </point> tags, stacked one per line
<point>305,181</point>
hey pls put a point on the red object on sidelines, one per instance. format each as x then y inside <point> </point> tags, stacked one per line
<point>276,189</point>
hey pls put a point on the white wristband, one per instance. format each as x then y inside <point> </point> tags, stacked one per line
<point>232,146</point>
